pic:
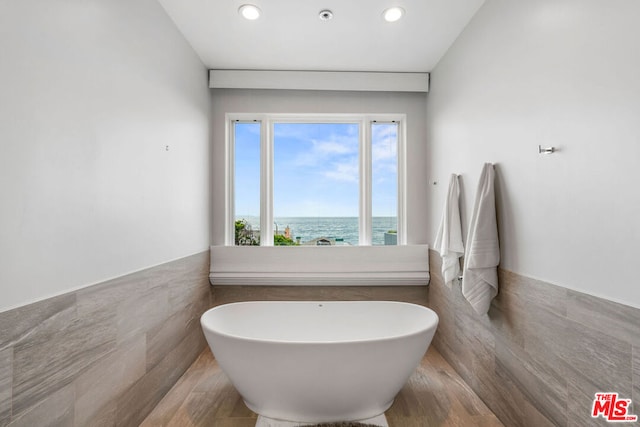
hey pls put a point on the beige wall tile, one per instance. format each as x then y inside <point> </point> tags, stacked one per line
<point>227,294</point>
<point>138,400</point>
<point>82,352</point>
<point>635,394</point>
<point>53,354</point>
<point>541,352</point>
<point>6,377</point>
<point>540,383</point>
<point>55,410</point>
<point>97,387</point>
<point>607,317</point>
<point>18,323</point>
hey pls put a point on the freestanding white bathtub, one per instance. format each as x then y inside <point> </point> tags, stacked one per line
<point>319,361</point>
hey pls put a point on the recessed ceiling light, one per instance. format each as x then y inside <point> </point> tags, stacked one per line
<point>325,15</point>
<point>393,14</point>
<point>249,11</point>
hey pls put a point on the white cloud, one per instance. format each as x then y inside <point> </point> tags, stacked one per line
<point>345,171</point>
<point>384,143</point>
<point>328,150</point>
<point>384,150</point>
<point>384,130</point>
<point>334,156</point>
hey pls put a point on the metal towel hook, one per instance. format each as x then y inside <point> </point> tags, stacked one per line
<point>546,150</point>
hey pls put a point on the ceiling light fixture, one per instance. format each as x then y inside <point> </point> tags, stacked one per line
<point>249,11</point>
<point>325,15</point>
<point>393,14</point>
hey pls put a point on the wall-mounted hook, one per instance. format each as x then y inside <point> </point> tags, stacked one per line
<point>546,150</point>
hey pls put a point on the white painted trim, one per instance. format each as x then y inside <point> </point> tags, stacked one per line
<point>402,182</point>
<point>266,183</point>
<point>267,121</point>
<point>229,137</point>
<point>313,265</point>
<point>319,80</point>
<point>230,119</point>
<point>365,219</point>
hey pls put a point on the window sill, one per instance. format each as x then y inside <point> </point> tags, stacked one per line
<point>320,266</point>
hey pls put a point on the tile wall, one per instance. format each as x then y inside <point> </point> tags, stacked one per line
<point>542,352</point>
<point>104,355</point>
<point>229,294</point>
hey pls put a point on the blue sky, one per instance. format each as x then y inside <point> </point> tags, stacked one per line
<point>316,169</point>
<point>247,169</point>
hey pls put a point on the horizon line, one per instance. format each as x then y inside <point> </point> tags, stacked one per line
<point>315,216</point>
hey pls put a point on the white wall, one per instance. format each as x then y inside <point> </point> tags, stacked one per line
<point>293,101</point>
<point>92,93</point>
<point>561,73</point>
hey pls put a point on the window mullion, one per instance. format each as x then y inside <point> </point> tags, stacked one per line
<point>266,183</point>
<point>402,183</point>
<point>365,220</point>
<point>230,139</point>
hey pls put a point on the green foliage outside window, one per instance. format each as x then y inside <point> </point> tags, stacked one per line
<point>280,240</point>
<point>245,235</point>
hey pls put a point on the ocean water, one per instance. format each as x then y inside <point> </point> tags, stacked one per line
<point>346,228</point>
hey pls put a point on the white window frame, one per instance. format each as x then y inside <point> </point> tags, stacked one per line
<point>267,122</point>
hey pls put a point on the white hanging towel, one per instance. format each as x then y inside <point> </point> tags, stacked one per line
<point>481,259</point>
<point>449,238</point>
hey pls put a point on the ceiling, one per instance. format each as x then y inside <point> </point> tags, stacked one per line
<point>290,36</point>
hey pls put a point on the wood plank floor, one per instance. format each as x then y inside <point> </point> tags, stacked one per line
<point>434,396</point>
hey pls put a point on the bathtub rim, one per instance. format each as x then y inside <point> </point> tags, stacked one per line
<point>433,325</point>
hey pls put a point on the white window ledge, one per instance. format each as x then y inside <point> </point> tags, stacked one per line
<point>320,266</point>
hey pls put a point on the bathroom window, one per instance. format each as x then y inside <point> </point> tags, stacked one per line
<point>315,180</point>
<point>246,178</point>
